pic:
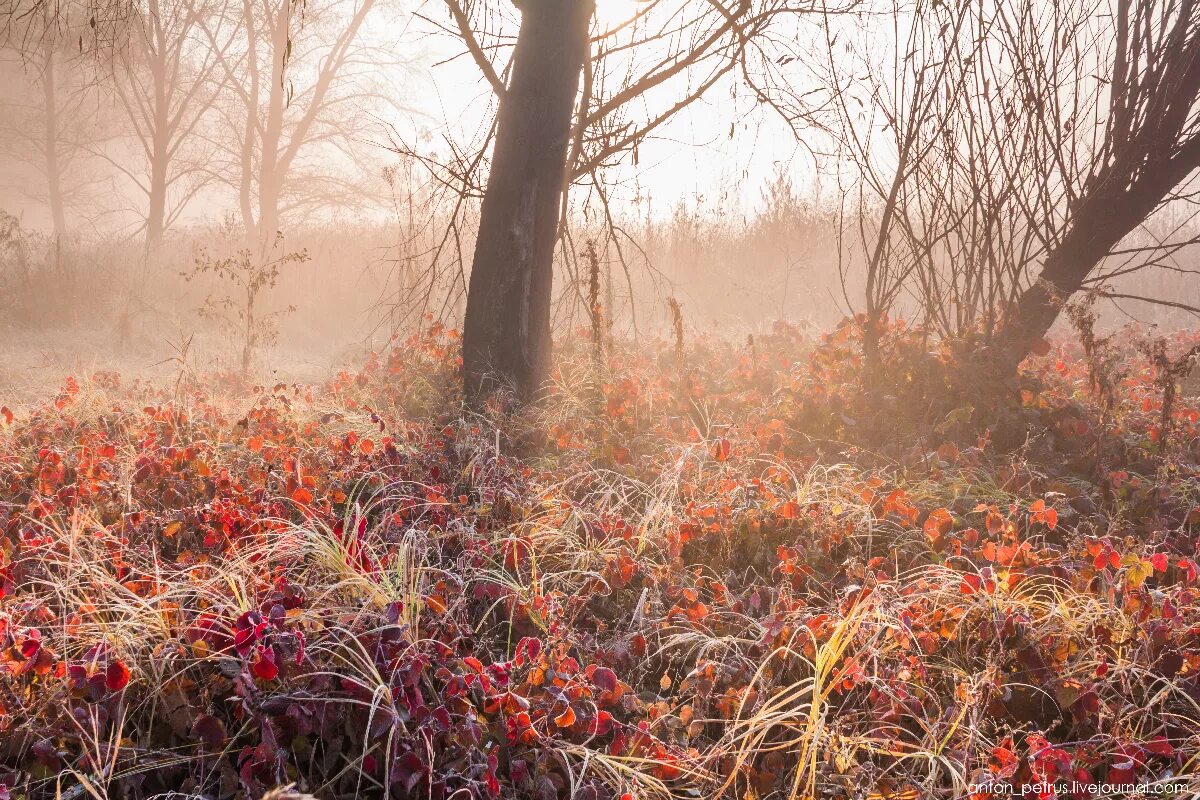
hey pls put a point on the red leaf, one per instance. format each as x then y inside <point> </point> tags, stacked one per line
<point>605,678</point>
<point>937,525</point>
<point>527,651</point>
<point>601,725</point>
<point>7,414</point>
<point>116,677</point>
<point>211,731</point>
<point>408,770</point>
<point>1159,746</point>
<point>264,666</point>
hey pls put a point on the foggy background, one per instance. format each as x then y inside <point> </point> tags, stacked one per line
<point>128,162</point>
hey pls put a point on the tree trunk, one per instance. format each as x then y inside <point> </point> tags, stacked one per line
<point>506,334</point>
<point>268,212</point>
<point>1150,147</point>
<point>249,141</point>
<point>272,131</point>
<point>156,216</point>
<point>54,176</point>
<point>1109,213</point>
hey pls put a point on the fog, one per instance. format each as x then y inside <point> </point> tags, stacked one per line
<point>145,151</point>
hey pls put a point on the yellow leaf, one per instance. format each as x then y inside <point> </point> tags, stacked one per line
<point>1138,573</point>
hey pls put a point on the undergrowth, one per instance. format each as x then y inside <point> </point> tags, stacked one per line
<point>701,569</point>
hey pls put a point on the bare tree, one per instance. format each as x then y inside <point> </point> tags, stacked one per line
<point>1021,143</point>
<point>54,114</point>
<point>299,83</point>
<point>578,99</point>
<point>165,81</point>
<point>507,325</point>
<point>46,123</point>
<point>1149,146</point>
<point>890,119</point>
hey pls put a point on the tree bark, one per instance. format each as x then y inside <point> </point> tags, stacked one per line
<point>506,333</point>
<point>159,145</point>
<point>156,215</point>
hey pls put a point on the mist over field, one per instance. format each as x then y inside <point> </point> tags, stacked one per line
<point>742,213</point>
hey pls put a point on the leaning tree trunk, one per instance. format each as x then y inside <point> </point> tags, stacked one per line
<point>1111,211</point>
<point>506,333</point>
<point>1151,146</point>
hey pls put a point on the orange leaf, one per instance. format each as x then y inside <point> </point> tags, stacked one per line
<point>566,719</point>
<point>938,524</point>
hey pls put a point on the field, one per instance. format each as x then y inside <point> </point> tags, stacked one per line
<point>701,569</point>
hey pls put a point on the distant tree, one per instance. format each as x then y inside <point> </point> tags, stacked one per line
<point>299,79</point>
<point>40,132</point>
<point>51,137</point>
<point>165,80</point>
<point>54,116</point>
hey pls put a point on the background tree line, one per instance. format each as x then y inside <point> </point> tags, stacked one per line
<point>989,161</point>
